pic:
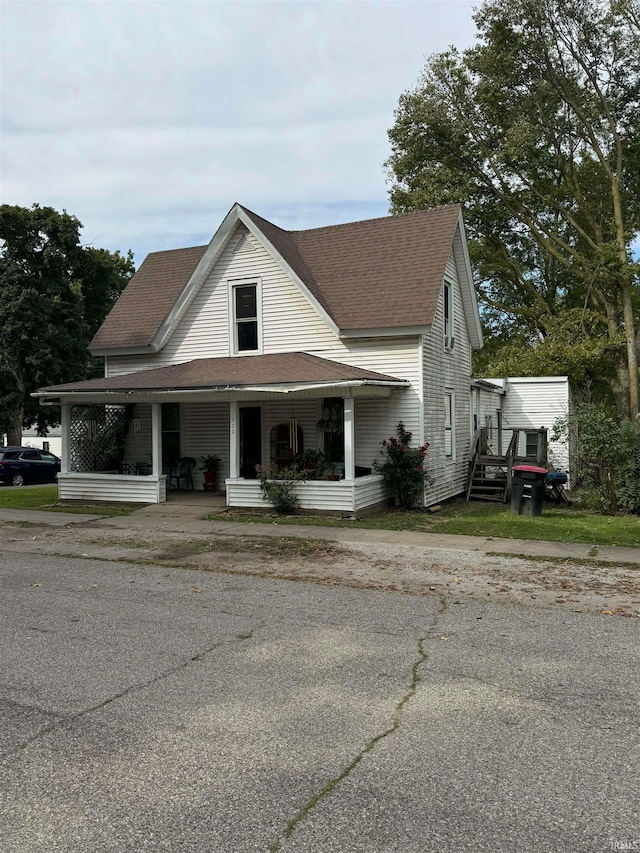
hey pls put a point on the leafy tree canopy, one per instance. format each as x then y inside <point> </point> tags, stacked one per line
<point>54,294</point>
<point>536,130</point>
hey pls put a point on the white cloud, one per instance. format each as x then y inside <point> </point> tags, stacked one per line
<point>147,120</point>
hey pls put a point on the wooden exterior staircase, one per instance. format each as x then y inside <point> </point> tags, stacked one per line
<point>489,477</point>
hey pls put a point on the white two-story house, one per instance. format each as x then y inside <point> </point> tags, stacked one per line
<point>243,348</point>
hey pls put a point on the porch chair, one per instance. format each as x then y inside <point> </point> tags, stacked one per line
<point>181,471</point>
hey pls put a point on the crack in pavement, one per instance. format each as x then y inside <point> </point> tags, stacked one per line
<point>12,703</point>
<point>333,783</point>
<point>133,688</point>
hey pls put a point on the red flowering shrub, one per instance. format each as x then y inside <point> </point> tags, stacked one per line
<point>402,467</point>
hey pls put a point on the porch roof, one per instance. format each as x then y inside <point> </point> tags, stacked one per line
<point>282,372</point>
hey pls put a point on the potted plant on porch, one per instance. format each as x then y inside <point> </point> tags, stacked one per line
<point>211,464</point>
<point>313,461</point>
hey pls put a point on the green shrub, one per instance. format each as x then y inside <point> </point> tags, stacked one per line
<point>608,459</point>
<point>403,468</point>
<point>277,487</point>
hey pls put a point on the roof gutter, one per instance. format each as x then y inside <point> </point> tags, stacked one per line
<point>487,385</point>
<point>54,397</point>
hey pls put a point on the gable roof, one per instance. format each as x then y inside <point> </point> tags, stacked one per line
<point>292,368</point>
<point>383,273</point>
<point>147,299</point>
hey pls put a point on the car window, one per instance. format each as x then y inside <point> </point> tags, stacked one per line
<point>49,457</point>
<point>9,454</point>
<point>30,454</point>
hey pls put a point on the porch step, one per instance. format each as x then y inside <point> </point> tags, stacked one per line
<point>481,496</point>
<point>487,488</point>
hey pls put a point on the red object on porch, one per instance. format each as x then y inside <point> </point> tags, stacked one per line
<point>209,484</point>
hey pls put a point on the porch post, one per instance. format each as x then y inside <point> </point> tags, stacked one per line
<point>65,433</point>
<point>349,439</point>
<point>156,439</point>
<point>234,441</point>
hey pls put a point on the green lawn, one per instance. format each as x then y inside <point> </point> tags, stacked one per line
<point>556,524</point>
<point>46,498</point>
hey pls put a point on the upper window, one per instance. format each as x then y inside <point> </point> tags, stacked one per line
<point>448,315</point>
<point>245,308</point>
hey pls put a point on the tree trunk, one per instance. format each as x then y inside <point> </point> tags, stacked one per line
<point>632,356</point>
<point>625,293</point>
<point>14,427</point>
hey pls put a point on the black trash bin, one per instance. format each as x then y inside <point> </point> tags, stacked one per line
<point>527,489</point>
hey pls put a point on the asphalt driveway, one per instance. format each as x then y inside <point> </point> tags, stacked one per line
<point>164,709</point>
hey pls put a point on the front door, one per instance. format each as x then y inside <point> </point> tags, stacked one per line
<point>250,441</point>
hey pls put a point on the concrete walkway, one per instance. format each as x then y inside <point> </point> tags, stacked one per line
<point>186,517</point>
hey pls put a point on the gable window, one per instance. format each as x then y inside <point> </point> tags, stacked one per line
<point>449,425</point>
<point>448,315</point>
<point>245,317</point>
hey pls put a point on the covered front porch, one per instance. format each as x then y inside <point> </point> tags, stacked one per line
<point>121,443</point>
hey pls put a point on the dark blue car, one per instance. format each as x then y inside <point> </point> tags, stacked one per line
<point>21,466</point>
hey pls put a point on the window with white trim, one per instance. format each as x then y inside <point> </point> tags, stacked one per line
<point>449,425</point>
<point>531,443</point>
<point>245,304</point>
<point>449,339</point>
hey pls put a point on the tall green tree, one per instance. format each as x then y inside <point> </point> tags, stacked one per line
<point>536,130</point>
<point>54,294</point>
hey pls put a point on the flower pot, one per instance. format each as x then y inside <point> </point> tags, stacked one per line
<point>333,477</point>
<point>209,481</point>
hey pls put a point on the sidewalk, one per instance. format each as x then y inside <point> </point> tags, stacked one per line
<point>185,518</point>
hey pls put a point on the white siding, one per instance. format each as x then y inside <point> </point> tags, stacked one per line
<point>538,402</point>
<point>489,409</point>
<point>306,412</point>
<point>111,487</point>
<point>289,322</point>
<point>204,431</point>
<point>205,428</point>
<point>377,419</point>
<point>54,441</point>
<point>345,496</point>
<point>447,370</point>
<point>138,445</point>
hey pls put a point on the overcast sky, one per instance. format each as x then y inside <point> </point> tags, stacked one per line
<point>147,120</point>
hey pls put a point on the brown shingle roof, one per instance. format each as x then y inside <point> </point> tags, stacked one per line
<point>282,368</point>
<point>378,273</point>
<point>147,299</point>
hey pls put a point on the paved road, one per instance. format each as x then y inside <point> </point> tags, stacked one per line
<point>156,709</point>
